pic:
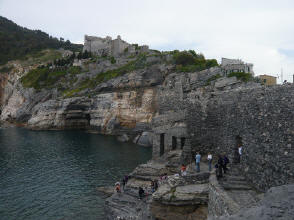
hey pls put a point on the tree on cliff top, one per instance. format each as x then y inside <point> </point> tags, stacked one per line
<point>190,61</point>
<point>16,42</point>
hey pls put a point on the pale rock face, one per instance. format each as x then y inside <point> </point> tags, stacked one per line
<point>104,111</point>
<point>14,103</point>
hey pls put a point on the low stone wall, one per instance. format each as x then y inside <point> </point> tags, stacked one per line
<point>219,202</point>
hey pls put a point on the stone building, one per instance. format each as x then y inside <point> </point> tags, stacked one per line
<point>108,47</point>
<point>268,80</point>
<point>105,46</point>
<point>236,65</point>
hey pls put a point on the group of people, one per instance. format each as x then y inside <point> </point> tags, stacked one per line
<point>222,162</point>
<point>221,166</point>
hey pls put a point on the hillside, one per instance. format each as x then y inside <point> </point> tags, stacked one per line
<point>16,42</point>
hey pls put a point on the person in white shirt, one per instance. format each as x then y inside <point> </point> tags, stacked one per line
<point>240,150</point>
<point>209,159</point>
<point>240,153</point>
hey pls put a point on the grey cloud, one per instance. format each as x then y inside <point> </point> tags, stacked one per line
<point>251,30</point>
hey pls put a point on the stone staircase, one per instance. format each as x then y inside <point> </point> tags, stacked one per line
<point>238,188</point>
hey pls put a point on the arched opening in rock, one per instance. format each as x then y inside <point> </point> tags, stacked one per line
<point>183,142</point>
<point>174,143</point>
<point>161,144</point>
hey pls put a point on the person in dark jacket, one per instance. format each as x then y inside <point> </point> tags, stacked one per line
<point>220,164</point>
<point>141,192</point>
<point>226,161</point>
<point>123,183</point>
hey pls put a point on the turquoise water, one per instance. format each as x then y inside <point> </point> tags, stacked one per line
<point>54,175</point>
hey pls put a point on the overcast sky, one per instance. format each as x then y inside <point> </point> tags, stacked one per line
<point>257,31</point>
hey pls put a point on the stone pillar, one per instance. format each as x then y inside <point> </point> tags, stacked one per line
<point>156,146</point>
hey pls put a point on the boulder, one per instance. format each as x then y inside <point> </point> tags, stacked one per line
<point>123,138</point>
<point>145,139</point>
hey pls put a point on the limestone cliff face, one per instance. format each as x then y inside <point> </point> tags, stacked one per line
<point>123,105</point>
<point>109,113</point>
<point>13,98</point>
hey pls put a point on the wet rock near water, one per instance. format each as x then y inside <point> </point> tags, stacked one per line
<point>123,138</point>
<point>144,139</point>
<point>106,191</point>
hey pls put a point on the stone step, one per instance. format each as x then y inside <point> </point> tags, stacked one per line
<point>234,178</point>
<point>234,182</point>
<point>244,198</point>
<point>234,172</point>
<point>228,186</point>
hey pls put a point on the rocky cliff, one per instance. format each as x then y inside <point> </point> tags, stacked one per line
<point>122,105</point>
<point>110,95</point>
<point>179,110</point>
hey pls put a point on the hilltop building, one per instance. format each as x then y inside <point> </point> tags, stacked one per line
<point>236,65</point>
<point>268,80</point>
<point>108,47</point>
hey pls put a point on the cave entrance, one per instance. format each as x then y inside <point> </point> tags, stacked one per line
<point>236,156</point>
<point>174,142</point>
<point>183,140</point>
<point>161,152</point>
<point>88,118</point>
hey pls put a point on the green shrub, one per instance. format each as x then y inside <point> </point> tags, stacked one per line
<point>139,63</point>
<point>184,58</point>
<point>75,70</point>
<point>112,60</point>
<point>190,61</point>
<point>42,77</point>
<point>245,77</point>
<point>211,63</point>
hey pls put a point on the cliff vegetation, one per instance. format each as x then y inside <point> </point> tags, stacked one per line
<point>17,42</point>
<point>190,61</point>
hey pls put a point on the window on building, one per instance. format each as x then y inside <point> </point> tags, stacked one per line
<point>183,142</point>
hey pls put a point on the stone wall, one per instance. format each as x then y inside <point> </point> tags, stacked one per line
<point>219,202</point>
<point>174,97</point>
<point>97,45</point>
<point>262,119</point>
<point>217,116</point>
